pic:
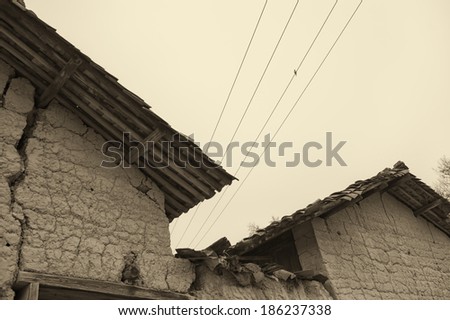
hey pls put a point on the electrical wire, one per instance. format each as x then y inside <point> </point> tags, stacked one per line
<point>224,107</point>
<point>174,225</point>
<point>260,80</point>
<point>283,122</point>
<point>269,117</point>
<point>189,224</point>
<point>249,103</point>
<point>238,72</point>
<point>289,83</point>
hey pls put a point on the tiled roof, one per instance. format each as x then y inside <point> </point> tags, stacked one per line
<point>396,181</point>
<point>60,71</point>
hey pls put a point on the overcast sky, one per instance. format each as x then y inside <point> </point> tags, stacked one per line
<point>384,89</point>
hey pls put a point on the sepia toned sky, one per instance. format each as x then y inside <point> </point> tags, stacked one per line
<point>385,88</point>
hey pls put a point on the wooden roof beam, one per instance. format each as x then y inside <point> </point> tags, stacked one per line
<point>21,69</point>
<point>154,136</point>
<point>105,105</point>
<point>428,207</point>
<point>403,196</point>
<point>53,89</point>
<point>152,173</point>
<point>207,175</point>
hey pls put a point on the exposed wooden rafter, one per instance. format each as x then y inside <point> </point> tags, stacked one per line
<point>52,90</point>
<point>60,71</point>
<point>427,207</point>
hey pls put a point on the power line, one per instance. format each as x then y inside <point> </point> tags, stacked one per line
<point>238,72</point>
<point>270,115</point>
<point>224,107</point>
<point>189,224</point>
<point>289,83</point>
<point>260,80</point>
<point>174,225</point>
<point>209,215</point>
<point>283,122</point>
<point>247,108</point>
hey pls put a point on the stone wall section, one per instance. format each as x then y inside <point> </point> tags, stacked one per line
<point>378,249</point>
<point>61,213</point>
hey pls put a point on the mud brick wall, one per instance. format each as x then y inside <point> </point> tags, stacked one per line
<point>211,286</point>
<point>13,121</point>
<point>379,250</point>
<point>61,213</point>
<point>307,248</point>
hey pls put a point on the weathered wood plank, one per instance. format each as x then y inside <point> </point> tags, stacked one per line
<point>428,207</point>
<point>52,90</point>
<point>167,186</point>
<point>115,91</point>
<point>179,175</point>
<point>37,58</point>
<point>105,287</point>
<point>25,60</point>
<point>172,213</point>
<point>123,110</point>
<point>19,4</point>
<point>38,28</point>
<point>192,167</point>
<point>404,197</point>
<point>154,136</point>
<point>189,153</point>
<point>21,69</point>
<point>154,175</point>
<point>75,93</point>
<point>162,181</point>
<point>44,53</point>
<point>29,292</point>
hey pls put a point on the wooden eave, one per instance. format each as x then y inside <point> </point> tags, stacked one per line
<point>60,71</point>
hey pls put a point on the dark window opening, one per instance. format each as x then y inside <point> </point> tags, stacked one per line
<point>282,250</point>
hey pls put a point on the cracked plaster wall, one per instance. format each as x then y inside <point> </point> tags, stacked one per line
<point>12,124</point>
<point>60,213</point>
<point>379,250</point>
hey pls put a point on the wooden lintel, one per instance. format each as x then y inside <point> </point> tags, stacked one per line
<point>427,207</point>
<point>96,286</point>
<point>52,90</point>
